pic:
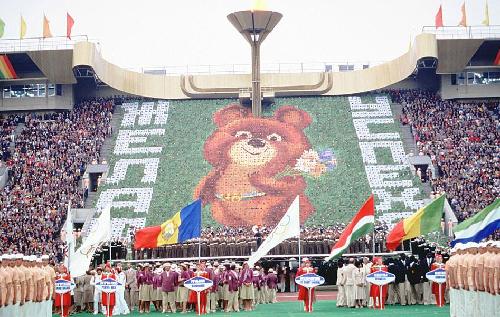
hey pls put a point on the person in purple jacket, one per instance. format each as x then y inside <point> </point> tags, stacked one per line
<point>232,282</point>
<point>246,290</point>
<point>257,286</point>
<point>145,281</point>
<point>169,280</point>
<point>272,283</point>
<point>157,294</point>
<point>183,291</point>
<point>213,295</point>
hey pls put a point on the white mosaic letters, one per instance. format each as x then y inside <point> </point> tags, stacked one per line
<point>145,113</point>
<point>397,174</point>
<point>140,204</point>
<point>121,167</point>
<point>381,175</point>
<point>379,109</point>
<point>386,199</point>
<point>127,137</point>
<point>396,148</point>
<point>363,132</point>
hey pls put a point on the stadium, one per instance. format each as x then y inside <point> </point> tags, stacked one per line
<point>122,187</point>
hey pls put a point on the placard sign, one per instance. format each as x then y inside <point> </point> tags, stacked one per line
<point>437,276</point>
<point>310,280</point>
<point>63,286</point>
<point>198,283</point>
<point>380,278</point>
<point>108,285</point>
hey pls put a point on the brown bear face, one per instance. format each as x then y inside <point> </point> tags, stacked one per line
<point>253,143</point>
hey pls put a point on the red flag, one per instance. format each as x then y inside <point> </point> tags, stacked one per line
<point>439,17</point>
<point>69,25</point>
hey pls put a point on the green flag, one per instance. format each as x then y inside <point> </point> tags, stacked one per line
<point>2,27</point>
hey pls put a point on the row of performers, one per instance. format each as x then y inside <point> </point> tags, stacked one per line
<point>408,288</point>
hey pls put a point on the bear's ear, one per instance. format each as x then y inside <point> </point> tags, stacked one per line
<point>293,116</point>
<point>232,112</point>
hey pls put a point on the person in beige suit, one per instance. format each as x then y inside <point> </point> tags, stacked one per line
<point>350,293</point>
<point>340,285</point>
<point>131,288</point>
<point>468,278</point>
<point>3,288</point>
<point>360,282</point>
<point>367,266</point>
<point>50,276</point>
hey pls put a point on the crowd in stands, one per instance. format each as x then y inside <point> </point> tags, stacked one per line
<point>463,141</point>
<point>46,166</point>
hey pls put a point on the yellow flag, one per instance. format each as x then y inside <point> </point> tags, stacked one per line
<point>22,32</point>
<point>486,20</point>
<point>46,28</point>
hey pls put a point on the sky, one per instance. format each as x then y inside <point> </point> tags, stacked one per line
<point>151,33</point>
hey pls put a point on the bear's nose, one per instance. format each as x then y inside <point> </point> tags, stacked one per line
<point>256,142</point>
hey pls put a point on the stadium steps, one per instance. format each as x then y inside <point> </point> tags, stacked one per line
<point>406,135</point>
<point>109,143</point>
<point>408,140</point>
<point>19,128</point>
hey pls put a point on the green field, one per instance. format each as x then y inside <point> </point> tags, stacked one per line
<point>321,309</point>
<point>336,195</point>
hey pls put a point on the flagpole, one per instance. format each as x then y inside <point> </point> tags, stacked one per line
<point>199,239</point>
<point>69,218</point>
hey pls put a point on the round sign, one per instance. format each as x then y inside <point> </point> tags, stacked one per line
<point>63,286</point>
<point>198,283</point>
<point>380,278</point>
<point>108,285</point>
<point>437,276</point>
<point>310,280</point>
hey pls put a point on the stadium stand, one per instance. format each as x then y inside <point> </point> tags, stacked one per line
<point>46,166</point>
<point>462,140</point>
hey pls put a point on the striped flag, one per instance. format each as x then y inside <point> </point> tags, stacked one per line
<point>480,226</point>
<point>184,225</point>
<point>360,225</point>
<point>426,219</point>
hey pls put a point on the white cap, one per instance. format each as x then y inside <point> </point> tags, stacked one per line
<point>1,258</point>
<point>271,271</point>
<point>19,256</point>
<point>38,260</point>
<point>45,257</point>
<point>33,258</point>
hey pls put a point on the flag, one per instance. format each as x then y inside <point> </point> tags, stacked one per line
<point>2,27</point>
<point>46,28</point>
<point>69,25</point>
<point>496,62</point>
<point>486,20</point>
<point>288,227</point>
<point>22,30</point>
<point>100,233</point>
<point>426,219</point>
<point>68,237</point>
<point>6,69</point>
<point>184,225</point>
<point>439,17</point>
<point>360,225</point>
<point>480,226</point>
<point>463,20</point>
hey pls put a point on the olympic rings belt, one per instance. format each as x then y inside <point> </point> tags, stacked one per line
<point>239,197</point>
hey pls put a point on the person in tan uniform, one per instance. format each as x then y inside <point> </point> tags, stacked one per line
<point>3,288</point>
<point>451,282</point>
<point>19,283</point>
<point>488,302</point>
<point>9,281</point>
<point>341,285</point>
<point>367,267</point>
<point>39,279</point>
<point>30,287</point>
<point>479,274</point>
<point>50,276</point>
<point>495,286</point>
<point>468,277</point>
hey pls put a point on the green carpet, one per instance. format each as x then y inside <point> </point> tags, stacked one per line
<point>321,308</point>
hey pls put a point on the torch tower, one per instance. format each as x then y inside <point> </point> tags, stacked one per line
<point>255,26</point>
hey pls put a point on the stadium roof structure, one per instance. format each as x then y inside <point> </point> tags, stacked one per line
<point>447,50</point>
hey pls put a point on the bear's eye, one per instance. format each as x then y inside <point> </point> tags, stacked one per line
<point>274,137</point>
<point>244,134</point>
